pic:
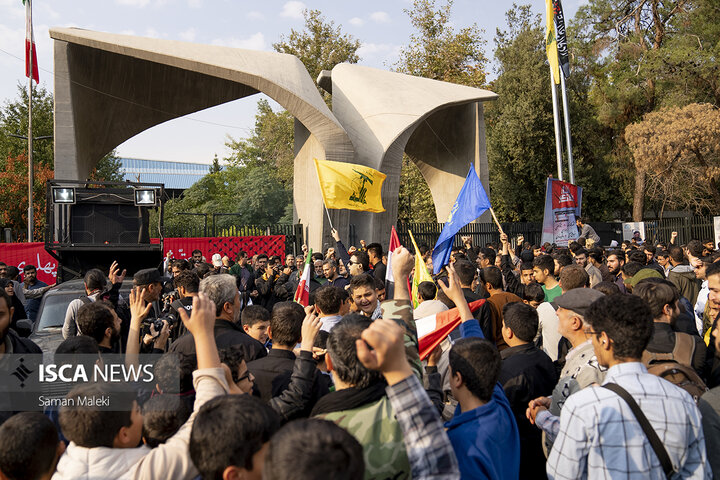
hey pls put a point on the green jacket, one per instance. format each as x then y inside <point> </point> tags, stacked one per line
<point>375,427</point>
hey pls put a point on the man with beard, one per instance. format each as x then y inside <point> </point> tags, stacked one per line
<point>33,290</point>
<point>222,290</point>
<point>100,322</point>
<point>615,262</point>
<point>10,342</point>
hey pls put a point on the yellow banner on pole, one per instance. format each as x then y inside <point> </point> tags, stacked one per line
<point>351,186</point>
<point>551,41</point>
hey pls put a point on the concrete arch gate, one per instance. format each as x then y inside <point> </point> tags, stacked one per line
<point>110,87</point>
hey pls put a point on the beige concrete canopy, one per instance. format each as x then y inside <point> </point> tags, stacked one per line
<point>440,125</point>
<point>110,87</point>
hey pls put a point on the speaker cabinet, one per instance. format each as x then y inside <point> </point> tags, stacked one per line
<point>102,223</point>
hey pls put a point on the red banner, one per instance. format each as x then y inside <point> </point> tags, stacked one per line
<point>183,247</point>
<point>21,254</point>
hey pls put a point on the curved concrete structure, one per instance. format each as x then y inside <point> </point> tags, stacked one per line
<point>110,87</point>
<point>440,125</point>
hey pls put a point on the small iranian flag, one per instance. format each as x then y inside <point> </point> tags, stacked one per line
<point>389,279</point>
<point>302,294</point>
<point>433,329</point>
<point>30,44</point>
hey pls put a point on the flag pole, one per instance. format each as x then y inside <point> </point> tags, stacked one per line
<point>29,135</point>
<point>496,220</point>
<point>556,119</point>
<point>328,215</point>
<point>568,140</point>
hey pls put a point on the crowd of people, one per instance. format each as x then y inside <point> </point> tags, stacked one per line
<point>574,362</point>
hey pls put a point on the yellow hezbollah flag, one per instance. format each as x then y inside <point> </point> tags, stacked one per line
<point>421,273</point>
<point>551,41</point>
<point>351,186</point>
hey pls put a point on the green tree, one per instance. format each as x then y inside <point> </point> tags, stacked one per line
<point>436,50</point>
<point>632,49</point>
<point>215,167</point>
<point>321,45</point>
<point>108,169</point>
<point>271,144</point>
<point>14,121</point>
<point>521,146</point>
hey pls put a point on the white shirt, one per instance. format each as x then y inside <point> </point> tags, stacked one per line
<point>600,437</point>
<point>548,328</point>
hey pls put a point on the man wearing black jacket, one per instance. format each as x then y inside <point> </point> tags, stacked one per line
<point>526,373</point>
<point>228,332</point>
<point>466,273</point>
<point>272,373</point>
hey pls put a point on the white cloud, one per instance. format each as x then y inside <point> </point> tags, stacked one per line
<point>48,10</point>
<point>357,21</point>
<point>152,33</point>
<point>255,15</point>
<point>133,3</point>
<point>377,54</point>
<point>293,9</point>
<point>195,3</point>
<point>380,17</point>
<point>253,42</point>
<point>188,35</point>
<point>127,32</point>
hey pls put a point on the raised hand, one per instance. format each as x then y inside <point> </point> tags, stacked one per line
<point>202,317</point>
<point>113,276</point>
<point>380,347</point>
<point>139,309</point>
<point>310,328</point>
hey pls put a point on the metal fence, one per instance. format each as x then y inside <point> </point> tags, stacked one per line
<point>688,227</point>
<point>197,226</point>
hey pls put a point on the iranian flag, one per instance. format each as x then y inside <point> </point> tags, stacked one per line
<point>302,294</point>
<point>30,44</point>
<point>433,329</point>
<point>389,279</point>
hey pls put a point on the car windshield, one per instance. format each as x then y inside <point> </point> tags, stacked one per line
<point>54,309</point>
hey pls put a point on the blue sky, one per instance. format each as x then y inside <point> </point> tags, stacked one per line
<point>381,26</point>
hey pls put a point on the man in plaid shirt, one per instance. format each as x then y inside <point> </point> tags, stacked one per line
<point>600,436</point>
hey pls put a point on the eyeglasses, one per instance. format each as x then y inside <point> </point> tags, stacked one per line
<point>244,376</point>
<point>591,332</point>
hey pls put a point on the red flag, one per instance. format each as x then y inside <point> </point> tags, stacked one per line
<point>30,44</point>
<point>302,294</point>
<point>389,279</point>
<point>433,329</point>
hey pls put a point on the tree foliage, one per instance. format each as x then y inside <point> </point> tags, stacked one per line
<point>14,121</point>
<point>256,185</point>
<point>14,195</point>
<point>644,55</point>
<point>271,144</point>
<point>437,51</point>
<point>321,45</point>
<point>679,150</point>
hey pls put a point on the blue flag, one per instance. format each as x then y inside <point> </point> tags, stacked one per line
<point>470,204</point>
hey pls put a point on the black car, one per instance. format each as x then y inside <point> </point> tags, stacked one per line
<point>47,331</point>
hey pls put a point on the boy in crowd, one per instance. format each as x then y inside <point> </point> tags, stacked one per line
<point>526,373</point>
<point>255,320</point>
<point>104,443</point>
<point>29,447</point>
